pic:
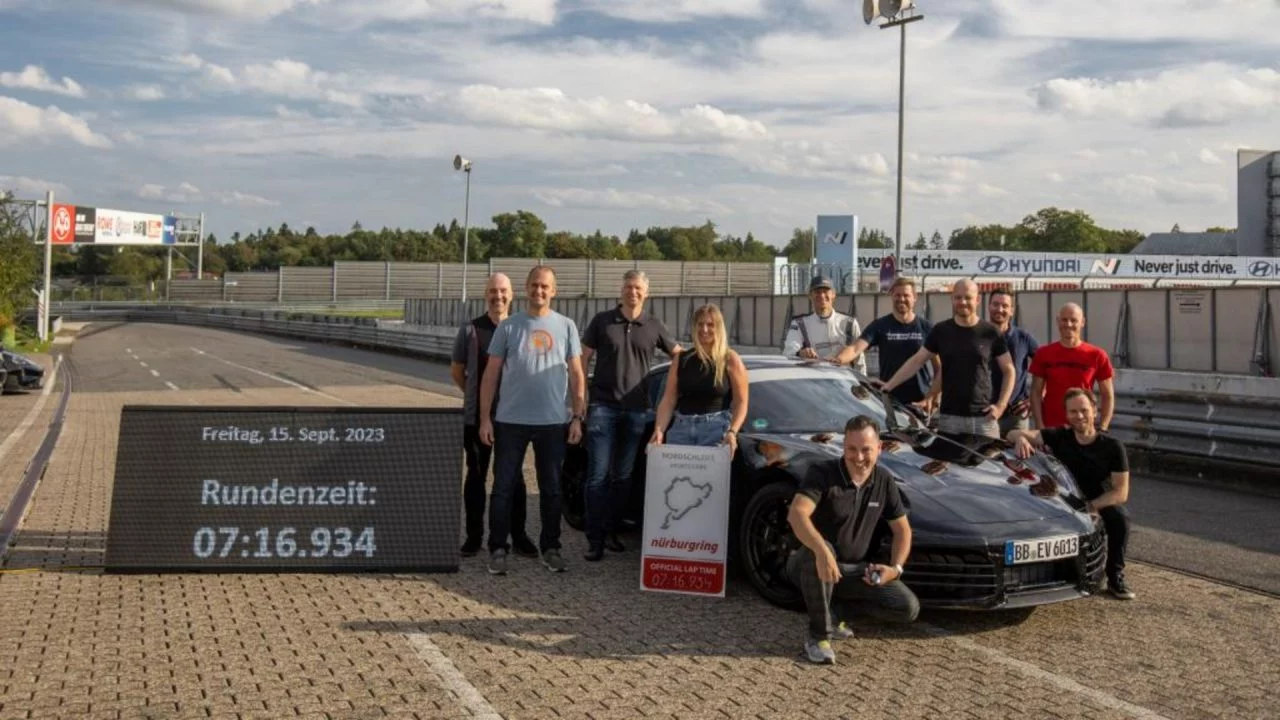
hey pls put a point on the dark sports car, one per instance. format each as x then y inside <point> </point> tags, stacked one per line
<point>989,530</point>
<point>19,373</point>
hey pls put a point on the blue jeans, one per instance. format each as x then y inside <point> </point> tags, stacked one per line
<point>612,438</point>
<point>509,444</point>
<point>701,430</point>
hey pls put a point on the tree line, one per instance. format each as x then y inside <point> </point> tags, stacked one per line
<point>513,234</point>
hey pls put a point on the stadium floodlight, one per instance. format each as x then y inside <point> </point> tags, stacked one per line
<point>463,164</point>
<point>896,13</point>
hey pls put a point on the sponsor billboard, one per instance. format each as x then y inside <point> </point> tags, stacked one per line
<point>1071,265</point>
<point>77,224</point>
<point>837,243</point>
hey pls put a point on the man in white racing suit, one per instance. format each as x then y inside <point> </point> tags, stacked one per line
<point>823,333</point>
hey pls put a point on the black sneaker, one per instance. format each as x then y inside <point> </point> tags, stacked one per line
<point>498,562</point>
<point>613,543</point>
<point>1119,590</point>
<point>470,547</point>
<point>524,547</point>
<point>553,561</point>
<point>595,553</point>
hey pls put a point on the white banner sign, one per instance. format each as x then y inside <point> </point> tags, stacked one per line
<point>686,520</point>
<point>121,227</point>
<point>1023,264</point>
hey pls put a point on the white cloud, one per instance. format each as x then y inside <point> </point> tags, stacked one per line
<point>20,121</point>
<point>34,77</point>
<point>614,199</point>
<point>551,109</point>
<point>1207,94</point>
<point>31,187</point>
<point>991,191</point>
<point>1055,177</point>
<point>294,79</point>
<point>357,14</point>
<point>1166,190</point>
<point>241,9</point>
<point>1208,157</point>
<point>667,11</point>
<point>1230,20</point>
<point>188,193</point>
<point>147,93</point>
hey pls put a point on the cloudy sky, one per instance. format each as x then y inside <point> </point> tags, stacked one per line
<point>613,114</point>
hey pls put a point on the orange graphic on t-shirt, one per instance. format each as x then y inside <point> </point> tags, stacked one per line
<point>541,342</point>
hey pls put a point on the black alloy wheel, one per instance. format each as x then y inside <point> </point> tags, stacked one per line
<point>767,541</point>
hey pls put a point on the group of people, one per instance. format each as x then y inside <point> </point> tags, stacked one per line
<point>989,378</point>
<point>524,381</point>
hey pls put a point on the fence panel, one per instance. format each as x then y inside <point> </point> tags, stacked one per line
<point>414,280</point>
<point>1149,329</point>
<point>1233,336</point>
<point>1191,320</point>
<point>252,286</point>
<point>1102,320</point>
<point>360,279</point>
<point>301,284</point>
<point>207,290</point>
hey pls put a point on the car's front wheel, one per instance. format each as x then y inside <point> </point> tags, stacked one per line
<point>572,488</point>
<point>766,541</point>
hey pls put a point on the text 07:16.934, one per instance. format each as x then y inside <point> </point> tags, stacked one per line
<point>321,542</point>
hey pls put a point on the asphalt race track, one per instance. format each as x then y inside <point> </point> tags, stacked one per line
<point>1199,641</point>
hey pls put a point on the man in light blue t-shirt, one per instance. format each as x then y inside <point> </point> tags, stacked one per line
<point>536,356</point>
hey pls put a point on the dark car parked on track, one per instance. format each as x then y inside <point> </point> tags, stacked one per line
<point>19,373</point>
<point>990,531</point>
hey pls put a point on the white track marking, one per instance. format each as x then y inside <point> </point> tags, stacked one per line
<point>170,385</point>
<point>1034,671</point>
<point>33,413</point>
<point>129,350</point>
<point>155,374</point>
<point>277,378</point>
<point>143,364</point>
<point>451,678</point>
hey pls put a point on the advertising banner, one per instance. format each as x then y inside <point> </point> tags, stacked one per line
<point>86,224</point>
<point>686,520</point>
<point>837,245</point>
<point>62,229</point>
<point>1071,265</point>
<point>121,227</point>
<point>235,489</point>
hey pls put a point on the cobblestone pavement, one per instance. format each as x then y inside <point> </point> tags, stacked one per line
<point>585,644</point>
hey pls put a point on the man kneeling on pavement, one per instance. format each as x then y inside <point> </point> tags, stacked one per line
<point>834,514</point>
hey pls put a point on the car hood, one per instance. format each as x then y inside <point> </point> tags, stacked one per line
<point>988,485</point>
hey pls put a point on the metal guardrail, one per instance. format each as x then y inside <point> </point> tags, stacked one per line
<point>1157,412</point>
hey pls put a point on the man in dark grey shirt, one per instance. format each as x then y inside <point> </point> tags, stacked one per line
<point>470,355</point>
<point>623,341</point>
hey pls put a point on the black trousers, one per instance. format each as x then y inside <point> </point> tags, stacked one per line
<point>893,602</point>
<point>1116,521</point>
<point>479,456</point>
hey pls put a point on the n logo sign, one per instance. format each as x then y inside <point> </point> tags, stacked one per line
<point>1105,267</point>
<point>835,238</point>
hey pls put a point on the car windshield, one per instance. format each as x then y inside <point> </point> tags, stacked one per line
<point>810,400</point>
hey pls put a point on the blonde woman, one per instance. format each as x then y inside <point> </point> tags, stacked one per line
<point>706,389</point>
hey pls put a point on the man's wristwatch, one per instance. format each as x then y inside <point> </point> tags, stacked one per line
<point>579,418</point>
<point>898,569</point>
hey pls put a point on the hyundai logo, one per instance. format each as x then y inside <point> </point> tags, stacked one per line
<point>1262,268</point>
<point>992,264</point>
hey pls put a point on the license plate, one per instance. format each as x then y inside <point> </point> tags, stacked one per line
<point>1054,548</point>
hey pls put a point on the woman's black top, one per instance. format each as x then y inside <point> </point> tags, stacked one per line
<point>698,393</point>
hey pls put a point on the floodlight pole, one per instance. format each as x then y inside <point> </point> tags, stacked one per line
<point>902,93</point>
<point>199,248</point>
<point>466,234</point>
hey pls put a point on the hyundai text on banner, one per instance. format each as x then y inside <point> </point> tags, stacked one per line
<point>686,520</point>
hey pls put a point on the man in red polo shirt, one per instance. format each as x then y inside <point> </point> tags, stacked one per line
<point>1070,362</point>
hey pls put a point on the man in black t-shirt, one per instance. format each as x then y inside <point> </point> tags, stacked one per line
<point>898,336</point>
<point>834,515</point>
<point>623,342</point>
<point>467,368</point>
<point>968,346</point>
<point>1100,466</point>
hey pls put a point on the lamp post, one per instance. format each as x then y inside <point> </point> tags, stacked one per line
<point>897,13</point>
<point>463,164</point>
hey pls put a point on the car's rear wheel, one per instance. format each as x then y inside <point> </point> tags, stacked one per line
<point>572,488</point>
<point>766,541</point>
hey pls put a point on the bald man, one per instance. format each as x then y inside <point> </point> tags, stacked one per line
<point>470,350</point>
<point>1070,363</point>
<point>969,348</point>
